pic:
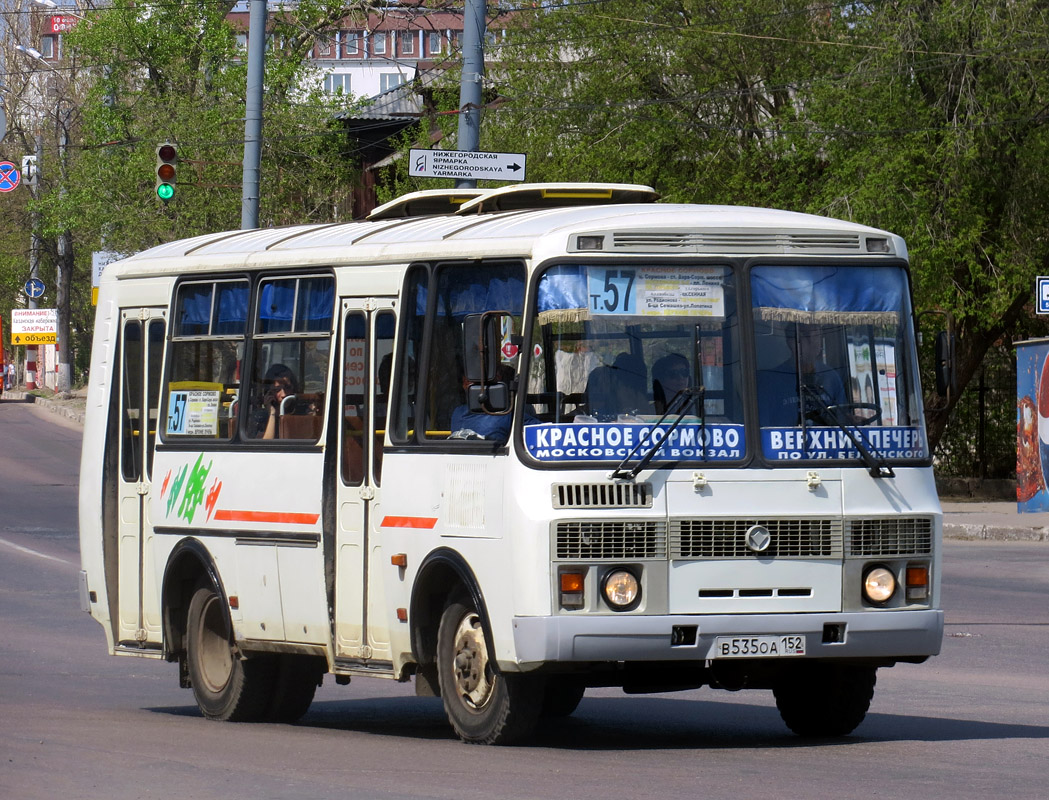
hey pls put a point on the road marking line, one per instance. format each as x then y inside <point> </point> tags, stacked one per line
<point>26,550</point>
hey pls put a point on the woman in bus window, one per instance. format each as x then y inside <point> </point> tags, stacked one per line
<point>278,384</point>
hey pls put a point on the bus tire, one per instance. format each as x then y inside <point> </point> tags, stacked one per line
<point>825,700</point>
<point>562,698</point>
<point>225,686</point>
<point>483,706</point>
<point>295,683</point>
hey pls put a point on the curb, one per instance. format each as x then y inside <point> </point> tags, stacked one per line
<point>993,533</point>
<point>75,414</point>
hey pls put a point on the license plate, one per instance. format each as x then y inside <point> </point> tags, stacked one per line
<point>788,644</point>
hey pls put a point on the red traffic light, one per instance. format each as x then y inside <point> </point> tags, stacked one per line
<point>166,152</point>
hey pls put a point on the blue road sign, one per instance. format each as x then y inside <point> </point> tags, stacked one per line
<point>1042,294</point>
<point>9,176</point>
<point>34,288</point>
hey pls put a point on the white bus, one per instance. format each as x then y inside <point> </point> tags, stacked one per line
<point>515,443</point>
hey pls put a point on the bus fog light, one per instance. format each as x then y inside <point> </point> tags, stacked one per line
<point>621,589</point>
<point>879,585</point>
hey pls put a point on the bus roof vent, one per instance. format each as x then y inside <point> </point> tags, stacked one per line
<point>428,203</point>
<point>558,195</point>
<point>735,242</point>
<point>602,495</point>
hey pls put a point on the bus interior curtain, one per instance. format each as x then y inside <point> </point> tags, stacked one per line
<point>827,294</point>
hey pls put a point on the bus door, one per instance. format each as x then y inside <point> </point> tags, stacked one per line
<point>361,625</point>
<point>141,351</point>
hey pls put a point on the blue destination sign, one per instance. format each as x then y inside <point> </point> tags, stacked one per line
<point>604,441</point>
<point>795,444</point>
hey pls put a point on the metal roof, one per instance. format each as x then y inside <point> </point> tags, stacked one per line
<point>630,229</point>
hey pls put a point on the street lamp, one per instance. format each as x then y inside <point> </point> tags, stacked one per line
<point>65,245</point>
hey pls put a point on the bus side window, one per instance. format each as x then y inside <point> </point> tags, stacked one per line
<point>354,409</point>
<point>292,338</point>
<point>382,359</point>
<point>209,322</point>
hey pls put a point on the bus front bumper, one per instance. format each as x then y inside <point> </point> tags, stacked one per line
<point>891,635</point>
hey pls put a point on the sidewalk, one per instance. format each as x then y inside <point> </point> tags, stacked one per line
<point>72,408</point>
<point>996,521</point>
<point>962,519</point>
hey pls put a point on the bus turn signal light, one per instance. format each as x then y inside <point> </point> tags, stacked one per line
<point>918,583</point>
<point>572,586</point>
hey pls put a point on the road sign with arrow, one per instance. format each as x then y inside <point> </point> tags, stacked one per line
<point>467,166</point>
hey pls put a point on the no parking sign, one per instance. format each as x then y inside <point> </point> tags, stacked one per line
<point>9,177</point>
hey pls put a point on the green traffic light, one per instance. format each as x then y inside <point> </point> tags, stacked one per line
<point>165,191</point>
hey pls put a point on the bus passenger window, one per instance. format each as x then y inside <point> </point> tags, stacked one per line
<point>209,323</point>
<point>292,346</point>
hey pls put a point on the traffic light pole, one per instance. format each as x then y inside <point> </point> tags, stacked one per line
<point>249,206</point>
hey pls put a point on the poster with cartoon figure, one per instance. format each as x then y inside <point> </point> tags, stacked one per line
<point>1032,425</point>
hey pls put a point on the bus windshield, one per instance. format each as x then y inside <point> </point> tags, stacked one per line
<point>832,362</point>
<point>614,346</point>
<point>834,356</point>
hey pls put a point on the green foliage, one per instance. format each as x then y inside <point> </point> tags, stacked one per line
<point>176,74</point>
<point>925,117</point>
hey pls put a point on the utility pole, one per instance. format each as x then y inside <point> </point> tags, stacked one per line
<point>34,265</point>
<point>249,205</point>
<point>64,271</point>
<point>470,84</point>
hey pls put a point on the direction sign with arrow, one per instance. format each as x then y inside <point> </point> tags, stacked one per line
<point>34,288</point>
<point>467,165</point>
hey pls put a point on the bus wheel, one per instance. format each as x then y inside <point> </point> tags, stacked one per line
<point>484,707</point>
<point>225,686</point>
<point>296,682</point>
<point>562,698</point>
<point>825,700</point>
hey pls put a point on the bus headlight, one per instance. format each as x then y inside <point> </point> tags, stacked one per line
<point>621,589</point>
<point>879,585</point>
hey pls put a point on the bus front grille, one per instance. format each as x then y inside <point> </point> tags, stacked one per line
<point>602,495</point>
<point>584,540</point>
<point>891,536</point>
<point>727,538</point>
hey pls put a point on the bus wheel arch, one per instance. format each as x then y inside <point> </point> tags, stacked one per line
<point>188,564</point>
<point>443,575</point>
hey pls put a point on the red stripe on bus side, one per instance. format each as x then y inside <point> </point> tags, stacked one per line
<point>409,522</point>
<point>288,517</point>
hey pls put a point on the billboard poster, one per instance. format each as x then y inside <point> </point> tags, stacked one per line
<point>1032,426</point>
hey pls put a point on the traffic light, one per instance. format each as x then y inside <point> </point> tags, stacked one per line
<point>167,159</point>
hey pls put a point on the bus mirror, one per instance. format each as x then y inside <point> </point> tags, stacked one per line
<point>944,363</point>
<point>491,399</point>
<point>481,337</point>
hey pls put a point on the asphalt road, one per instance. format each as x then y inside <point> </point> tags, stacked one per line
<point>77,723</point>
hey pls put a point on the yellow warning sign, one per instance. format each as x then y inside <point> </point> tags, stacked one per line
<point>34,338</point>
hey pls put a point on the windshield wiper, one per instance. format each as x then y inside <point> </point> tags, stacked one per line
<point>875,464</point>
<point>677,406</point>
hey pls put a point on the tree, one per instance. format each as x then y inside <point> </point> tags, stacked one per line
<point>924,117</point>
<point>138,74</point>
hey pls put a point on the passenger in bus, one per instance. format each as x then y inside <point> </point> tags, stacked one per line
<point>804,374</point>
<point>670,375</point>
<point>619,389</point>
<point>467,424</point>
<point>278,384</point>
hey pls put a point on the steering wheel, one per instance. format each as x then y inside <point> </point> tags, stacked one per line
<point>843,411</point>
